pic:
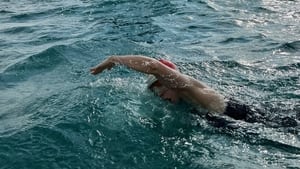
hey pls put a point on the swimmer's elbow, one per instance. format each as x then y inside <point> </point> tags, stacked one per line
<point>153,67</point>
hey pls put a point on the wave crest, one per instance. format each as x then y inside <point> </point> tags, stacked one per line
<point>34,64</point>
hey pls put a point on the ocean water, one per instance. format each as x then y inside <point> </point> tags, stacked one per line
<point>54,114</point>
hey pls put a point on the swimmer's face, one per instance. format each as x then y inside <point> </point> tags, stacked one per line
<point>165,93</point>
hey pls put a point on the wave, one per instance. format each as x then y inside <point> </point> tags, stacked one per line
<point>290,46</point>
<point>47,12</point>
<point>34,64</point>
<point>239,65</point>
<point>293,66</point>
<point>5,12</point>
<point>20,29</point>
<point>280,145</point>
<point>280,137</point>
<point>264,10</point>
<point>244,39</point>
<point>228,64</point>
<point>236,40</point>
<point>270,137</point>
<point>32,15</point>
<point>215,63</point>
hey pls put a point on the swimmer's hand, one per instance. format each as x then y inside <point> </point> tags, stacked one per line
<point>106,64</point>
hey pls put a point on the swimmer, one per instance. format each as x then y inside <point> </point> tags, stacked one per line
<point>167,82</point>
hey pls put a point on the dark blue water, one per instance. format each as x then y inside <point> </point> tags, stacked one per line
<point>54,114</point>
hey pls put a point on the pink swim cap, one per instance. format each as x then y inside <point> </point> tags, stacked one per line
<point>168,63</point>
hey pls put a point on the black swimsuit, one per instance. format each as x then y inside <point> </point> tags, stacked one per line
<point>239,111</point>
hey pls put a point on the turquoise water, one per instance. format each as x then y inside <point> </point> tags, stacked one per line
<point>54,114</point>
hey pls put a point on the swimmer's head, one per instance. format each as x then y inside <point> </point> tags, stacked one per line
<point>161,90</point>
<point>152,80</point>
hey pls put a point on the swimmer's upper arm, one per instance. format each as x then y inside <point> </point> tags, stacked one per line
<point>169,77</point>
<point>172,78</point>
<point>139,63</point>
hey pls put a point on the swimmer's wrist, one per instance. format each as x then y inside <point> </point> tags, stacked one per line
<point>110,62</point>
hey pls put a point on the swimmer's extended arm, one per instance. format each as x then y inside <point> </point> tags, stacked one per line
<point>139,63</point>
<point>169,77</point>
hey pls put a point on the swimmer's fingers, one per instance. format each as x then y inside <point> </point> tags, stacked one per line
<point>94,71</point>
<point>97,70</point>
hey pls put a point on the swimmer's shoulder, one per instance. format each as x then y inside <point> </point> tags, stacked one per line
<point>200,94</point>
